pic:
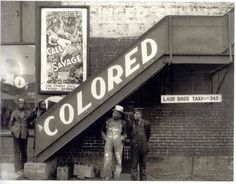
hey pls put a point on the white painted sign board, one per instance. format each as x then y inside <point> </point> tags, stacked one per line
<point>210,98</point>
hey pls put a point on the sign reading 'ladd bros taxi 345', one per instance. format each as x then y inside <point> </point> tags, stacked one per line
<point>97,89</point>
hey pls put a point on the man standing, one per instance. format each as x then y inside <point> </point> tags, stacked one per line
<point>19,128</point>
<point>114,133</point>
<point>140,132</point>
<point>37,112</point>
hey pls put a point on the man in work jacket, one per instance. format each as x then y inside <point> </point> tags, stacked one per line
<point>139,131</point>
<point>19,128</point>
<point>114,133</point>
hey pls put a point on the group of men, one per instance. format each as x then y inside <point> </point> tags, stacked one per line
<point>20,122</point>
<point>114,132</point>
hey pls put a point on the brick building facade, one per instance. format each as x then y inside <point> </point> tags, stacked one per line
<point>189,141</point>
<point>184,136</point>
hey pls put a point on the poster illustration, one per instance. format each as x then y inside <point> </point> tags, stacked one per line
<point>63,48</point>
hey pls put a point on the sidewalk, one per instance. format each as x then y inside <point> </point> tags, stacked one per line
<point>126,177</point>
<point>7,172</point>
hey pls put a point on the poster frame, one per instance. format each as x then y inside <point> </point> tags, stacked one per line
<point>42,48</point>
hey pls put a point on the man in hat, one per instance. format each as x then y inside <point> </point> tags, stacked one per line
<point>139,131</point>
<point>114,133</point>
<point>35,114</point>
<point>19,128</point>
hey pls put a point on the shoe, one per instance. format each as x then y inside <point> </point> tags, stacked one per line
<point>106,178</point>
<point>19,172</point>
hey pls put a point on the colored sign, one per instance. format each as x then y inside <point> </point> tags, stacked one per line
<point>63,48</point>
<point>97,89</point>
<point>191,98</point>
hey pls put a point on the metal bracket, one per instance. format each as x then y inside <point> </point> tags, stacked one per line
<point>230,38</point>
<point>170,37</point>
<point>167,62</point>
<point>220,82</point>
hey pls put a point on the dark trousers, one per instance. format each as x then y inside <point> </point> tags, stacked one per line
<point>20,153</point>
<point>138,157</point>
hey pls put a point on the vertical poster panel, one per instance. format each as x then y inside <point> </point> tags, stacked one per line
<point>64,62</point>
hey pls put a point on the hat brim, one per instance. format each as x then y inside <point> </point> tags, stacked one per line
<point>138,109</point>
<point>118,111</point>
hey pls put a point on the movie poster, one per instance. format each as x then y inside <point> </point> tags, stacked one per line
<point>63,48</point>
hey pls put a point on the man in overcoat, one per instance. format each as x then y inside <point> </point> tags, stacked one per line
<point>18,125</point>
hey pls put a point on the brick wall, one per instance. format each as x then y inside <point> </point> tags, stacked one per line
<point>118,19</point>
<point>185,130</point>
<point>198,129</point>
<point>103,50</point>
<point>177,129</point>
<point>190,129</point>
<point>114,25</point>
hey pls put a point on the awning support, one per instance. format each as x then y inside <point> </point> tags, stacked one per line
<point>170,38</point>
<point>217,70</point>
<point>230,38</point>
<point>219,87</point>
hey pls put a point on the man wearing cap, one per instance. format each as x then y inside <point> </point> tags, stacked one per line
<point>114,133</point>
<point>139,131</point>
<point>19,128</point>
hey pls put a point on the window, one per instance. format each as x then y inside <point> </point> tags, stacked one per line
<point>17,79</point>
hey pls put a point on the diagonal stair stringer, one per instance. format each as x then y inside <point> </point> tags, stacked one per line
<point>99,93</point>
<point>127,72</point>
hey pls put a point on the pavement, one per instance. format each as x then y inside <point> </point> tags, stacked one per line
<point>123,177</point>
<point>7,172</point>
<point>126,177</point>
